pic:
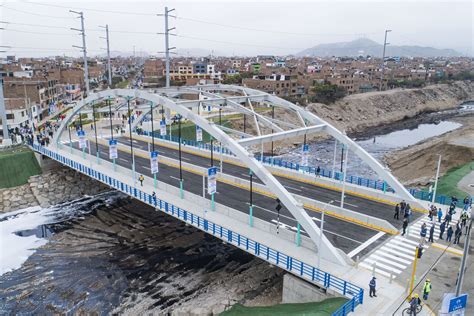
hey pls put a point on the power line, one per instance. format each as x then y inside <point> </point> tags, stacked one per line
<point>92,10</point>
<point>67,28</point>
<point>37,14</point>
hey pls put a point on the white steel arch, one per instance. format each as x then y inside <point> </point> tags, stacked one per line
<point>327,251</point>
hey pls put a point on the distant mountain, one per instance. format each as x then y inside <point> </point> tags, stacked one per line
<point>365,46</point>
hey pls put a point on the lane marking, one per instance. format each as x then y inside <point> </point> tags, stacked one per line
<point>173,177</point>
<point>369,267</point>
<point>346,203</point>
<point>392,257</point>
<point>367,243</point>
<point>388,261</point>
<point>397,253</point>
<point>382,265</point>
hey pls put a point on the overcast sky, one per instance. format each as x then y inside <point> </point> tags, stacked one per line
<point>233,27</point>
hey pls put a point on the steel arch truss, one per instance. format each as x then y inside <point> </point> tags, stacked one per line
<point>327,251</point>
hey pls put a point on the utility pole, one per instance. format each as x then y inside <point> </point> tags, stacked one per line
<point>167,45</point>
<point>383,58</point>
<point>83,48</point>
<point>433,197</point>
<point>3,115</point>
<point>464,259</point>
<point>109,69</point>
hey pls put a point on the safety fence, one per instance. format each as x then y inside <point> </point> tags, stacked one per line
<point>293,265</point>
<point>357,180</point>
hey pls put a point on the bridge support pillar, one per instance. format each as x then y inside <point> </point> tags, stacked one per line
<point>296,290</point>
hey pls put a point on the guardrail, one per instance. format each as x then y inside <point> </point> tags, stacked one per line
<point>357,180</point>
<point>293,265</point>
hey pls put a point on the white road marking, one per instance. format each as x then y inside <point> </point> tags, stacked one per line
<point>365,244</point>
<point>123,159</point>
<point>292,188</point>
<point>172,177</point>
<point>392,257</point>
<point>369,267</point>
<point>381,265</point>
<point>388,261</point>
<point>346,203</point>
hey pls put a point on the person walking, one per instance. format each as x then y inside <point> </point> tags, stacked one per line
<point>457,234</point>
<point>141,178</point>
<point>463,218</point>
<point>397,212</point>
<point>318,171</point>
<point>426,289</point>
<point>423,231</point>
<point>405,225</point>
<point>414,302</point>
<point>450,234</point>
<point>448,218</point>
<point>442,227</point>
<point>430,238</point>
<point>440,214</point>
<point>372,285</point>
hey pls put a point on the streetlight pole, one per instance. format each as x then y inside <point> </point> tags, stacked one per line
<point>167,46</point>
<point>152,140</point>
<point>433,197</point>
<point>131,142</point>
<point>334,160</point>
<point>322,232</point>
<point>83,47</point>
<point>251,199</point>
<point>111,128</point>
<point>344,178</point>
<point>383,58</point>
<point>273,116</point>
<point>95,133</point>
<point>464,259</point>
<point>180,163</point>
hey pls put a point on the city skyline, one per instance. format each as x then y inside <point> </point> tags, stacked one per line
<point>43,28</point>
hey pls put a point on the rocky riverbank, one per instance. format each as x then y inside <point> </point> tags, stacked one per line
<point>54,186</point>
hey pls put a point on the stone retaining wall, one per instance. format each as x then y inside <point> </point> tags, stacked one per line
<point>52,187</point>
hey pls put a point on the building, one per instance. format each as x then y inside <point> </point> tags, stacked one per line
<point>280,85</point>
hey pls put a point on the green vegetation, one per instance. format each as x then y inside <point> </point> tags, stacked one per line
<point>17,165</point>
<point>447,184</point>
<point>323,308</point>
<point>188,130</point>
<point>417,83</point>
<point>327,93</point>
<point>122,84</point>
<point>237,78</point>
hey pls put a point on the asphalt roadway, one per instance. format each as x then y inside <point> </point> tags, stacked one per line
<point>342,234</point>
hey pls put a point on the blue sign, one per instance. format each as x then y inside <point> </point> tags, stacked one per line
<point>457,303</point>
<point>305,148</point>
<point>154,154</point>
<point>211,172</point>
<point>154,162</point>
<point>81,133</point>
<point>112,142</point>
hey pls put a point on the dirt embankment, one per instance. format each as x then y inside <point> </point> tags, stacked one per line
<point>416,165</point>
<point>356,113</point>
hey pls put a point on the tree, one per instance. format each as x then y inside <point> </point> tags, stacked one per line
<point>327,93</point>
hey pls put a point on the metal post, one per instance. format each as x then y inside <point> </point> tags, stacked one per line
<point>322,233</point>
<point>344,178</point>
<point>152,130</point>
<point>334,160</point>
<point>3,115</point>
<point>109,68</point>
<point>70,140</point>
<point>131,142</point>
<point>433,198</point>
<point>245,121</point>
<point>251,199</point>
<point>342,157</point>
<point>212,153</point>
<point>413,272</point>
<point>204,185</point>
<point>383,59</point>
<point>84,49</point>
<point>222,154</point>
<point>273,116</point>
<point>464,259</point>
<point>95,133</point>
<point>111,128</point>
<point>80,124</point>
<point>167,46</point>
<point>180,163</point>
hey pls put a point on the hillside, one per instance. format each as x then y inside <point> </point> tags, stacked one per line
<point>365,46</point>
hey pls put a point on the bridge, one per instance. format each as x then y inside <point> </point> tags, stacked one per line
<point>315,226</point>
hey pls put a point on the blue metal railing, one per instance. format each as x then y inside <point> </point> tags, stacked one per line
<point>304,270</point>
<point>357,180</point>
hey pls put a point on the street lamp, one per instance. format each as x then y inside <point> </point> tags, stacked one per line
<point>251,199</point>
<point>178,118</point>
<point>95,133</point>
<point>321,232</point>
<point>131,142</point>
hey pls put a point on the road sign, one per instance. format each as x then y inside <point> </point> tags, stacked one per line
<point>154,162</point>
<point>198,134</point>
<point>211,180</point>
<point>113,153</point>
<point>163,128</point>
<point>82,139</point>
<point>304,156</point>
<point>457,303</point>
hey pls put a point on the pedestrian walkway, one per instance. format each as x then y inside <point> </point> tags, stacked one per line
<point>399,252</point>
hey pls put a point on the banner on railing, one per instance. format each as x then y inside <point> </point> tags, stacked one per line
<point>304,157</point>
<point>163,128</point>
<point>82,139</point>
<point>198,134</point>
<point>113,153</point>
<point>154,162</point>
<point>211,180</point>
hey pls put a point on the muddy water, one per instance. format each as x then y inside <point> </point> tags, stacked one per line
<point>125,257</point>
<point>380,141</point>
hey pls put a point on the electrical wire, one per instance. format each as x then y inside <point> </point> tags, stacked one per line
<point>37,14</point>
<point>93,10</point>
